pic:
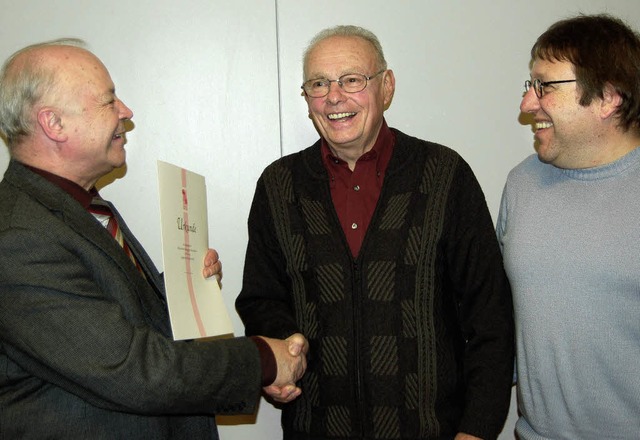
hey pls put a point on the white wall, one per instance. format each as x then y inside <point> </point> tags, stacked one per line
<point>214,86</point>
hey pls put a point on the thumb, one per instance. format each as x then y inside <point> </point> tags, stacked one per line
<point>295,347</point>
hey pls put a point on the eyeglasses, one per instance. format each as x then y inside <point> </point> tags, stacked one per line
<point>538,86</point>
<point>350,83</point>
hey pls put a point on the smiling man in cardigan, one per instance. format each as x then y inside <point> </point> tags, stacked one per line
<point>380,249</point>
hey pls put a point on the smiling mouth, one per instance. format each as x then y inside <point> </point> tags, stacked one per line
<point>336,116</point>
<point>543,124</point>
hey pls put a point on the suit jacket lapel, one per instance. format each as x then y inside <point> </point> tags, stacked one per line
<point>150,291</point>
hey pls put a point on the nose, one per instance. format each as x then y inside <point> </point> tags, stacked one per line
<point>124,111</point>
<point>530,102</point>
<point>335,91</point>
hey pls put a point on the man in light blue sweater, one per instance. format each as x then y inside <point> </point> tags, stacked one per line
<point>569,227</point>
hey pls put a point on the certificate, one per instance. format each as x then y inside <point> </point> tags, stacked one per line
<point>196,307</point>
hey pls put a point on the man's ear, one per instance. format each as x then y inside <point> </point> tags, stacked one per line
<point>50,122</point>
<point>611,101</point>
<point>389,84</point>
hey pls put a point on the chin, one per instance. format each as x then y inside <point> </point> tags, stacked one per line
<point>543,151</point>
<point>119,162</point>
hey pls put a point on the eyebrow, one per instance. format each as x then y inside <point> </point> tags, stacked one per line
<point>315,75</point>
<point>343,72</point>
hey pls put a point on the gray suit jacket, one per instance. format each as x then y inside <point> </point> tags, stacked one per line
<point>85,343</point>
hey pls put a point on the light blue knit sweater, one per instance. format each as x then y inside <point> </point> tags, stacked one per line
<point>571,245</point>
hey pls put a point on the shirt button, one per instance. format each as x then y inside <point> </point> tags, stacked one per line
<point>356,188</point>
<point>354,226</point>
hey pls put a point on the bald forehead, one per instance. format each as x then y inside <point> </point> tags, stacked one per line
<point>49,54</point>
<point>349,50</point>
<point>342,42</point>
<point>66,56</point>
<point>69,74</point>
<point>53,60</point>
<point>74,65</point>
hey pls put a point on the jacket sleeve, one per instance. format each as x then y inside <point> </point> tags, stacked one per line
<point>264,304</point>
<point>69,318</point>
<point>484,303</point>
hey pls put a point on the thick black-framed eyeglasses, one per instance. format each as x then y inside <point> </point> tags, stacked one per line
<point>538,86</point>
<point>350,83</point>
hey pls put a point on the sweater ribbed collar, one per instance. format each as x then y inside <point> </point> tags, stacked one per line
<point>628,161</point>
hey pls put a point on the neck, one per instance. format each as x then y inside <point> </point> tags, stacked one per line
<point>47,160</point>
<point>600,149</point>
<point>616,147</point>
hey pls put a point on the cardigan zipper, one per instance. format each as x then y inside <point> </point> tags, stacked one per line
<point>357,324</point>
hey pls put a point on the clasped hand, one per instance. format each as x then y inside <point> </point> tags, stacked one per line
<point>291,358</point>
<point>290,354</point>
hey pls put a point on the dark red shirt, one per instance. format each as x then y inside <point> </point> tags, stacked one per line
<point>355,193</point>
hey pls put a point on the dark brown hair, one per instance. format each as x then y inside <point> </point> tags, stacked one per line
<point>604,50</point>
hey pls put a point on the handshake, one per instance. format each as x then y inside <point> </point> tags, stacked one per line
<point>291,359</point>
<point>290,353</point>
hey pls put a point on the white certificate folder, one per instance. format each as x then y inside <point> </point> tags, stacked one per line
<point>196,307</point>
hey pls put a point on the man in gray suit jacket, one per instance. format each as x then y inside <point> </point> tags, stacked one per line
<point>85,343</point>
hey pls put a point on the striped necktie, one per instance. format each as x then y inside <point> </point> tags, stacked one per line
<point>102,212</point>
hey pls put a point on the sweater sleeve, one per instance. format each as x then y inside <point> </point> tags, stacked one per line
<point>483,298</point>
<point>264,303</point>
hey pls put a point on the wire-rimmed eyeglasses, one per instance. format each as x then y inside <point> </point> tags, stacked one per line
<point>350,83</point>
<point>538,86</point>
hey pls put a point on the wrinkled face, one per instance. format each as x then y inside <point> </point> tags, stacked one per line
<point>349,122</point>
<point>564,129</point>
<point>93,116</point>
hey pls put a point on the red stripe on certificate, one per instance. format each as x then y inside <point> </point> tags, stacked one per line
<point>187,256</point>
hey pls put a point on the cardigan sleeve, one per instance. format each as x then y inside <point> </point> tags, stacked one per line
<point>264,304</point>
<point>483,298</point>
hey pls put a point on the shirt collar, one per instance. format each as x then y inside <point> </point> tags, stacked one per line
<point>83,196</point>
<point>381,149</point>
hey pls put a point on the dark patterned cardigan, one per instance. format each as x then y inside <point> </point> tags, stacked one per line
<point>413,339</point>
